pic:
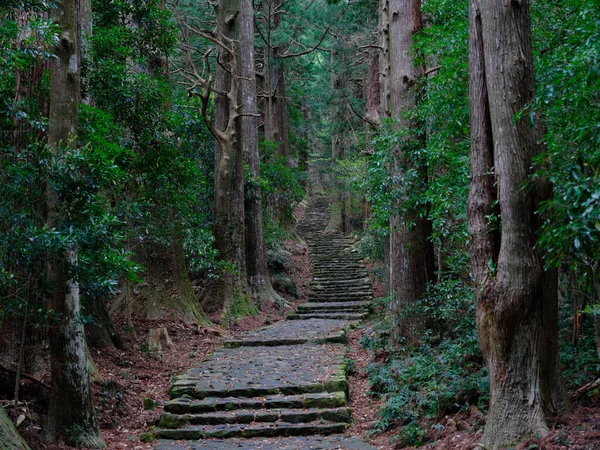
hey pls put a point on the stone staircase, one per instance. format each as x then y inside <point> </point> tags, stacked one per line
<point>341,288</point>
<point>285,385</point>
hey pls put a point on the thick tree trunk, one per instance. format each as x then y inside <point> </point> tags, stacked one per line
<point>259,281</point>
<point>517,307</point>
<point>167,290</point>
<point>230,291</point>
<point>411,254</point>
<point>280,108</point>
<point>100,332</point>
<point>71,416</point>
<point>373,107</point>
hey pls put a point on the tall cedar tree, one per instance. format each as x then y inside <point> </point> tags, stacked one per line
<point>411,259</point>
<point>517,307</point>
<point>230,292</point>
<point>71,416</point>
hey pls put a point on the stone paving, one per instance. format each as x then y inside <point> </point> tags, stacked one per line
<point>283,386</point>
<point>316,331</point>
<point>308,442</point>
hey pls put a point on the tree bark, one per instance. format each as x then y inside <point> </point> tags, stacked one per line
<point>167,290</point>
<point>335,217</point>
<point>259,281</point>
<point>230,291</point>
<point>517,305</point>
<point>71,416</point>
<point>411,254</point>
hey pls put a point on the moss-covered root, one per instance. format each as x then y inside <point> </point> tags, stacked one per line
<point>10,439</point>
<point>241,306</point>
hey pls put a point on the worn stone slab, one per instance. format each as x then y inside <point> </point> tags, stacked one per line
<point>295,443</point>
<point>244,416</point>
<point>258,371</point>
<point>316,331</point>
<point>213,404</point>
<point>251,430</point>
<point>329,315</point>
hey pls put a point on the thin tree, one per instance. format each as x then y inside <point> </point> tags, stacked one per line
<point>71,416</point>
<point>517,307</point>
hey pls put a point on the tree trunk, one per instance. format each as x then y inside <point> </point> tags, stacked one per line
<point>517,306</point>
<point>335,217</point>
<point>71,416</point>
<point>230,291</point>
<point>259,281</point>
<point>411,254</point>
<point>167,290</point>
<point>101,332</point>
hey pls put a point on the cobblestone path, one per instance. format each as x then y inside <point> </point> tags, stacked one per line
<point>283,386</point>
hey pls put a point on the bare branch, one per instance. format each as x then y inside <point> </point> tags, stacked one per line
<point>372,123</point>
<point>431,70</point>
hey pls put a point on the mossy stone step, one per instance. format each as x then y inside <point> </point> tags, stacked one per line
<point>332,306</point>
<point>316,331</point>
<point>244,416</point>
<point>331,442</point>
<point>329,315</point>
<point>347,278</point>
<point>334,338</point>
<point>187,405</point>
<point>252,430</point>
<point>338,298</point>
<point>345,291</point>
<point>260,371</point>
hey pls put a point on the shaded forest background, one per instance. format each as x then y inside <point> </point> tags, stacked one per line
<point>131,195</point>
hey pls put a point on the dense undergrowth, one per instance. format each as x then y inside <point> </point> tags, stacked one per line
<point>444,372</point>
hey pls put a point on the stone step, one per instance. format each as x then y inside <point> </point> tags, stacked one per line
<point>334,306</point>
<point>187,405</point>
<point>252,430</point>
<point>319,288</point>
<point>327,276</point>
<point>244,416</point>
<point>342,284</point>
<point>329,315</point>
<point>342,294</point>
<point>260,371</point>
<point>318,297</point>
<point>331,442</point>
<point>317,331</point>
<point>340,299</point>
<point>362,290</point>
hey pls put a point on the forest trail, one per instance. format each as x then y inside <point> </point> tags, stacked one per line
<point>283,386</point>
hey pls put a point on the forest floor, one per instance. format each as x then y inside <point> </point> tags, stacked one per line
<point>124,379</point>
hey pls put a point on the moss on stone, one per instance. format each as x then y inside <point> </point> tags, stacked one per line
<point>172,421</point>
<point>150,403</point>
<point>148,436</point>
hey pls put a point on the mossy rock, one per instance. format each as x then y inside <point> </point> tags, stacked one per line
<point>150,403</point>
<point>172,421</point>
<point>10,439</point>
<point>148,436</point>
<point>284,284</point>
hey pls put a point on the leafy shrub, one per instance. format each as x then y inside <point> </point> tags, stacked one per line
<point>444,374</point>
